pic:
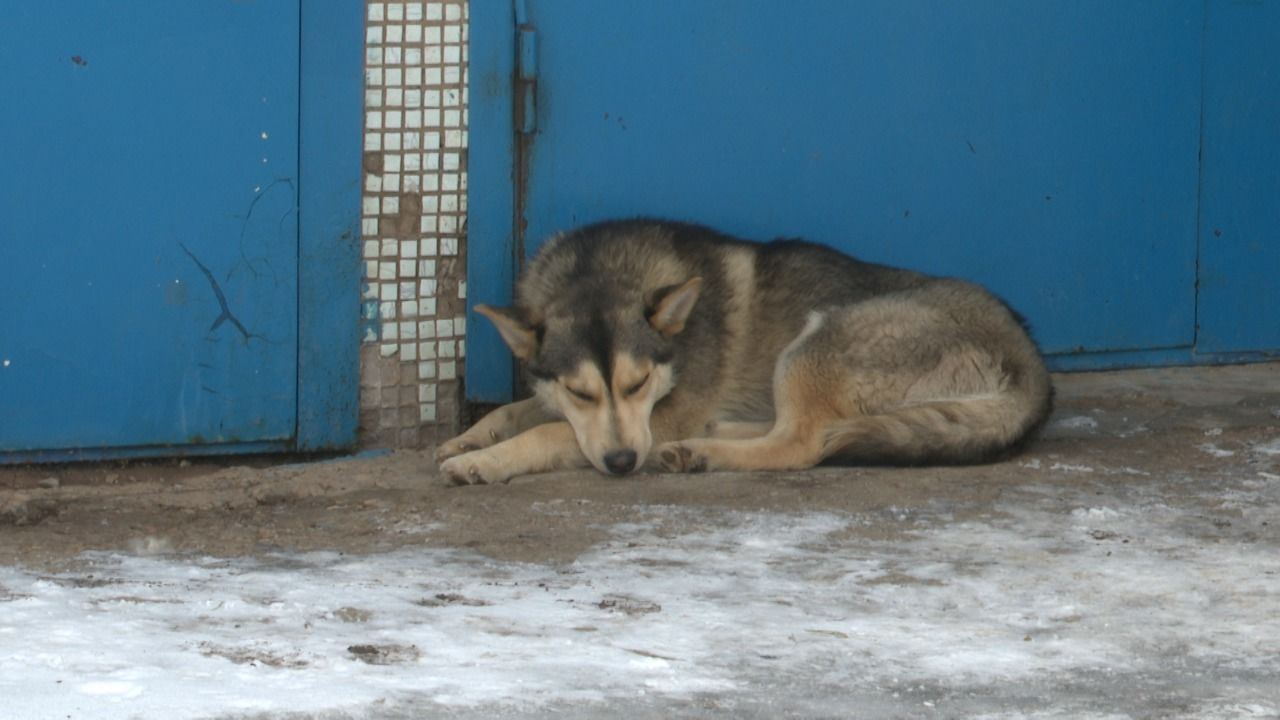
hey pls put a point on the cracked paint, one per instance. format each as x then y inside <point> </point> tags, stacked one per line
<point>226,314</point>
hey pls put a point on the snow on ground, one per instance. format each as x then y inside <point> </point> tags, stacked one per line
<point>1076,422</point>
<point>1049,607</point>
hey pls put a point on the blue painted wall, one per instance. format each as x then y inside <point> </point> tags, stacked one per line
<point>177,176</point>
<point>1240,193</point>
<point>331,119</point>
<point>1050,150</point>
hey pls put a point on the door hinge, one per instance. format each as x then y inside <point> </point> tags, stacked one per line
<point>526,75</point>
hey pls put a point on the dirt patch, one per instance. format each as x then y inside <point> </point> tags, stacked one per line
<point>385,654</point>
<point>1113,433</point>
<point>628,605</point>
<point>252,657</point>
<point>446,599</point>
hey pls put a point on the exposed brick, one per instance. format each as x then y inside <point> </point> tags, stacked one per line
<point>409,374</point>
<point>408,396</point>
<point>389,397</point>
<point>408,438</point>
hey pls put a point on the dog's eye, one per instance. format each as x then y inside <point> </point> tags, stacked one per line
<point>583,396</point>
<point>635,387</point>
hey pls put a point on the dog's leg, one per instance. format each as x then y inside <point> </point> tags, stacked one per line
<point>717,429</point>
<point>802,393</point>
<point>738,430</point>
<point>781,449</point>
<point>550,446</point>
<point>792,442</point>
<point>505,422</point>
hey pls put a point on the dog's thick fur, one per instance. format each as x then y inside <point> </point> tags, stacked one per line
<point>732,355</point>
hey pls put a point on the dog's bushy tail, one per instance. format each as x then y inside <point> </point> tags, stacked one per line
<point>952,431</point>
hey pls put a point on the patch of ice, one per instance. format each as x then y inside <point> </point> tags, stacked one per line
<point>1095,513</point>
<point>1054,715</point>
<point>1079,422</point>
<point>1126,470</point>
<point>1268,448</point>
<point>1135,430</point>
<point>1215,451</point>
<point>1065,467</point>
<point>111,689</point>
<point>1238,711</point>
<point>795,606</point>
<point>150,545</point>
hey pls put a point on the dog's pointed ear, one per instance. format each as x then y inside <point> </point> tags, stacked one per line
<point>671,306</point>
<point>521,337</point>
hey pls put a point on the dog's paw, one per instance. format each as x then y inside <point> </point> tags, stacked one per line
<point>681,457</point>
<point>464,443</point>
<point>453,448</point>
<point>472,468</point>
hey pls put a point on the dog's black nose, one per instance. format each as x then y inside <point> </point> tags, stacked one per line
<point>620,462</point>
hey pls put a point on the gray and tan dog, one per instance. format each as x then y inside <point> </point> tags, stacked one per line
<point>733,355</point>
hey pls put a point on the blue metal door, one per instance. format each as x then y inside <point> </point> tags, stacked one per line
<point>150,252</point>
<point>1049,150</point>
<point>1240,197</point>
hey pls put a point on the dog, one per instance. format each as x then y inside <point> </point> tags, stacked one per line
<point>649,342</point>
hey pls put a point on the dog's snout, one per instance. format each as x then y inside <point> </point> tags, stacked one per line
<point>620,462</point>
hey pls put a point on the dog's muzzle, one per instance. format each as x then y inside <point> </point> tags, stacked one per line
<point>620,462</point>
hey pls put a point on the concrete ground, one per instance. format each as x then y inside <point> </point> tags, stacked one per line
<point>1125,566</point>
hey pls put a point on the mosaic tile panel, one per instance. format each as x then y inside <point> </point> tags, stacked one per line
<point>414,222</point>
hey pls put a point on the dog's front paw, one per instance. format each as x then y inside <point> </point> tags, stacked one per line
<point>473,468</point>
<point>681,457</point>
<point>453,448</point>
<point>469,441</point>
